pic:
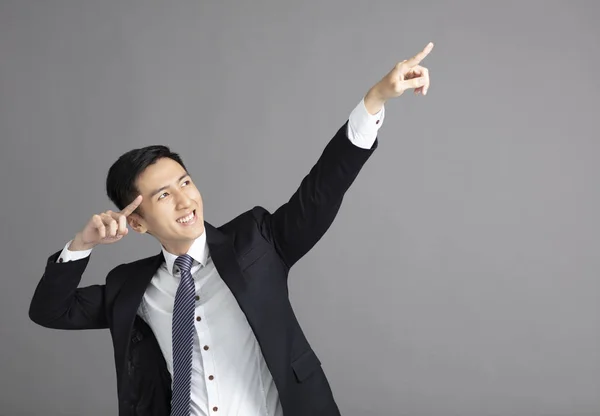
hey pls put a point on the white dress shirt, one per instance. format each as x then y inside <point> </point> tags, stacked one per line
<point>229,374</point>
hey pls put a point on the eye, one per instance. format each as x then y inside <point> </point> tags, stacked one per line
<point>163,195</point>
<point>186,182</point>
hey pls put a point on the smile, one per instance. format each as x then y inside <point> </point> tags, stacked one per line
<point>188,219</point>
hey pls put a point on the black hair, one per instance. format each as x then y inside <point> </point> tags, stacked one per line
<point>122,176</point>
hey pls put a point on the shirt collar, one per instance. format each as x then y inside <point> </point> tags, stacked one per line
<point>198,251</point>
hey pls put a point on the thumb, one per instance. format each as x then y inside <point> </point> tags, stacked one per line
<point>412,83</point>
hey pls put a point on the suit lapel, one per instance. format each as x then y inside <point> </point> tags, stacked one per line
<point>223,256</point>
<point>225,260</point>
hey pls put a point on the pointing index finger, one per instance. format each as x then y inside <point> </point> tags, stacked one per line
<point>415,60</point>
<point>128,210</point>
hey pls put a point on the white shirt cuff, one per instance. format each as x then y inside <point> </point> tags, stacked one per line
<point>68,255</point>
<point>363,127</point>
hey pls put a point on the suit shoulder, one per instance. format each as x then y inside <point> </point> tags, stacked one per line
<point>249,225</point>
<point>247,218</point>
<point>123,270</point>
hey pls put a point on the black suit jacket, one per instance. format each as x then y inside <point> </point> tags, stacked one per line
<point>253,254</point>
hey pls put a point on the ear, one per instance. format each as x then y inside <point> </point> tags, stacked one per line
<point>137,223</point>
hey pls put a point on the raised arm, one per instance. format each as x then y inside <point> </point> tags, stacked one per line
<point>296,226</point>
<point>57,301</point>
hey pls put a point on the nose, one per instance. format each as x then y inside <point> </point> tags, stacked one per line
<point>183,201</point>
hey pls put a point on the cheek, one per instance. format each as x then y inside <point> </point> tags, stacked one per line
<point>160,218</point>
<point>195,195</point>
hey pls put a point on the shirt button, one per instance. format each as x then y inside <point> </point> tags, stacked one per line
<point>60,260</point>
<point>198,318</point>
<point>206,348</point>
<point>377,122</point>
<point>211,377</point>
<point>215,409</point>
<point>197,297</point>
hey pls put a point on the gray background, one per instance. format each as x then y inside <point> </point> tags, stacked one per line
<point>461,275</point>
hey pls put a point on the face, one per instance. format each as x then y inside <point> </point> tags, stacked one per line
<point>171,207</point>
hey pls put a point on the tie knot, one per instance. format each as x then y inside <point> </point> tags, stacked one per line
<point>184,263</point>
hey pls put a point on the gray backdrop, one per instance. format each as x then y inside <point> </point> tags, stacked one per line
<point>461,275</point>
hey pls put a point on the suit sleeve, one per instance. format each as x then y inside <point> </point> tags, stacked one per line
<point>296,226</point>
<point>58,302</point>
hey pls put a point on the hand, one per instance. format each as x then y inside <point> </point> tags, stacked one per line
<point>105,228</point>
<point>405,75</point>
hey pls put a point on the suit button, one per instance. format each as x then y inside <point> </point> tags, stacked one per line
<point>198,318</point>
<point>206,348</point>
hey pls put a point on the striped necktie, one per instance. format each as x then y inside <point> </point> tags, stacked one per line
<point>183,338</point>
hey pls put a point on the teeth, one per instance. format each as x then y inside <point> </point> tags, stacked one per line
<point>186,219</point>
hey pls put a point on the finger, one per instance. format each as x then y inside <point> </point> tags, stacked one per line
<point>116,216</point>
<point>412,83</point>
<point>425,74</point>
<point>110,224</point>
<point>417,70</point>
<point>106,218</point>
<point>122,225</point>
<point>415,60</point>
<point>99,224</point>
<point>414,72</point>
<point>113,228</point>
<point>128,210</point>
<point>420,72</point>
<point>121,221</point>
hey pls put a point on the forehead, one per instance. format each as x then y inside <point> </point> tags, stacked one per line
<point>163,172</point>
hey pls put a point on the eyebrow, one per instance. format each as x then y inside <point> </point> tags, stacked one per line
<point>165,187</point>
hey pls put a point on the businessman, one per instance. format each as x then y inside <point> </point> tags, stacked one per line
<point>205,327</point>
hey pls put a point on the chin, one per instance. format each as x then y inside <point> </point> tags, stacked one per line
<point>197,232</point>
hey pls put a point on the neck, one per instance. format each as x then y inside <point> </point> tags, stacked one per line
<point>178,248</point>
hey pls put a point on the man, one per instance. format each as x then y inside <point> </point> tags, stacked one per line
<point>206,327</point>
